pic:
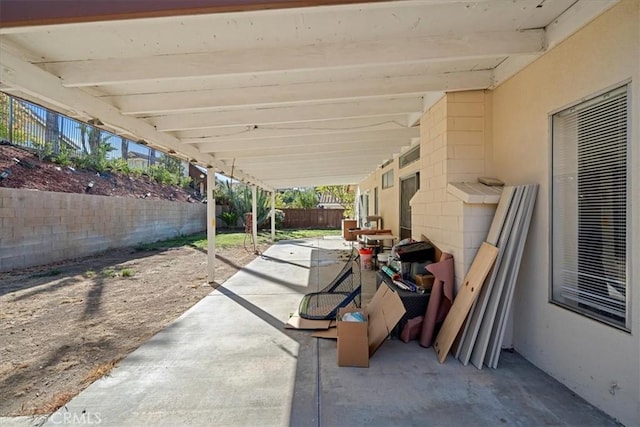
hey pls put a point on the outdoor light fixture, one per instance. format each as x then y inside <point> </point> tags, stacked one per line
<point>5,174</point>
<point>89,186</point>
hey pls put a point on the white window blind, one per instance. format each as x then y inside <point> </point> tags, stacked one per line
<point>589,208</point>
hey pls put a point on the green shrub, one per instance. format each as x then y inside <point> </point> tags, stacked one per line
<point>120,165</point>
<point>230,218</point>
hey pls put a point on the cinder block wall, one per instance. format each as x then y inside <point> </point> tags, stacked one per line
<point>39,227</point>
<point>454,140</point>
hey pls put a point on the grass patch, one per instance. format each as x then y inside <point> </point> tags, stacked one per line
<point>90,274</point>
<point>48,273</point>
<point>127,272</point>
<point>109,272</point>
<point>227,239</point>
<point>303,234</point>
<point>198,240</point>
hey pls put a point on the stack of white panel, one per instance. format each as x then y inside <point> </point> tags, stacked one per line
<point>481,338</point>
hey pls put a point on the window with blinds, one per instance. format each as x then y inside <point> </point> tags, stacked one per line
<point>589,208</point>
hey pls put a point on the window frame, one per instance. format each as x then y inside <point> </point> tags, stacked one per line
<point>584,312</point>
<point>392,181</point>
<point>402,160</point>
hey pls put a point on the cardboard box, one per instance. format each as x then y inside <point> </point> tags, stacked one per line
<point>424,281</point>
<point>358,341</point>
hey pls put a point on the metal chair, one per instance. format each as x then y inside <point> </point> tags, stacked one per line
<point>343,291</point>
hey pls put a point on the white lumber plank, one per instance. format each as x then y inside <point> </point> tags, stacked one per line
<point>492,237</point>
<point>471,286</point>
<point>488,319</point>
<point>495,341</point>
<point>474,320</point>
<point>511,279</point>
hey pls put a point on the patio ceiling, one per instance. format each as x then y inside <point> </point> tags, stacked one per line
<point>280,98</point>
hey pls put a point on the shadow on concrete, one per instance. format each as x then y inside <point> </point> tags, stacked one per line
<point>261,275</point>
<point>62,273</point>
<point>305,404</point>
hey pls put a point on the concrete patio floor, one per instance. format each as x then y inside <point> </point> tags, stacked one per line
<point>228,361</point>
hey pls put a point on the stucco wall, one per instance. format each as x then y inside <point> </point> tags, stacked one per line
<point>389,198</point>
<point>599,362</point>
<point>454,139</point>
<point>40,227</point>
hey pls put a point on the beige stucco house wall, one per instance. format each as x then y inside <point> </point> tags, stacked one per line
<point>599,362</point>
<point>505,133</point>
<point>388,198</point>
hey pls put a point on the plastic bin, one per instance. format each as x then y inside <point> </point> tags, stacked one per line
<point>366,258</point>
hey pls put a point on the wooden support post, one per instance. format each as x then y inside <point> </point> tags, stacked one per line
<point>273,216</point>
<point>211,225</point>
<point>254,215</point>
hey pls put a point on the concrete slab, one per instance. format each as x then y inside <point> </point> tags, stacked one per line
<point>229,361</point>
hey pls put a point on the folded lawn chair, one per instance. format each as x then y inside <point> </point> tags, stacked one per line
<point>341,292</point>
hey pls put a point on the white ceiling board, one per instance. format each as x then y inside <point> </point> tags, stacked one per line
<point>283,97</point>
<point>307,181</point>
<point>274,28</point>
<point>301,93</point>
<point>266,154</point>
<point>292,77</point>
<point>305,57</point>
<point>379,137</point>
<point>326,127</point>
<point>316,113</point>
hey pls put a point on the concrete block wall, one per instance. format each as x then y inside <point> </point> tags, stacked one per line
<point>453,136</point>
<point>39,227</point>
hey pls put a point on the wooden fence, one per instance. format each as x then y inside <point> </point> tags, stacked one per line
<point>312,218</point>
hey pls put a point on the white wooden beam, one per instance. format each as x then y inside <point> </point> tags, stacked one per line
<point>159,103</point>
<point>211,225</point>
<point>254,218</point>
<point>275,154</point>
<point>450,45</point>
<point>273,216</point>
<point>316,175</point>
<point>288,114</point>
<point>40,85</point>
<point>328,165</point>
<point>368,137</point>
<point>252,132</point>
<point>315,180</point>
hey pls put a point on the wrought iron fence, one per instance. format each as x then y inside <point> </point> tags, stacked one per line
<point>49,133</point>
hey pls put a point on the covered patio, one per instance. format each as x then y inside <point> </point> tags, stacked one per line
<point>230,361</point>
<point>277,95</point>
<point>326,92</point>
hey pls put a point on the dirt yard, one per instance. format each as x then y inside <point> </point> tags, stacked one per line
<point>64,325</point>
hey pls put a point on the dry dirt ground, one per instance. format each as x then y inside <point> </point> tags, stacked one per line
<point>64,325</point>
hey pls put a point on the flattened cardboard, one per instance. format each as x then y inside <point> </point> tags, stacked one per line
<point>385,311</point>
<point>330,334</point>
<point>357,341</point>
<point>297,322</point>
